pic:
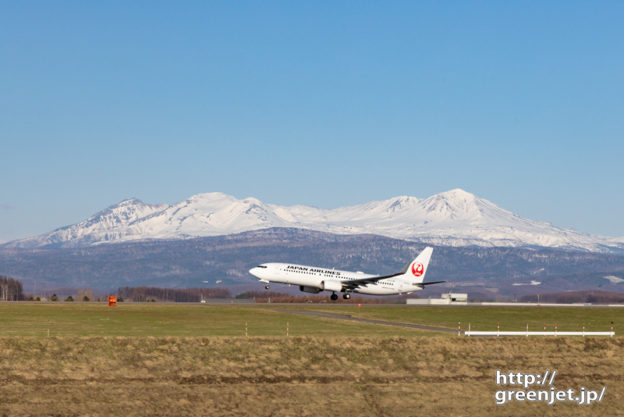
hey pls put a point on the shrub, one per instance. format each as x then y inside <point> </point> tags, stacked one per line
<point>70,298</point>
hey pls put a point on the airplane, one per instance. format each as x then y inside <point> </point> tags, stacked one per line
<point>313,279</point>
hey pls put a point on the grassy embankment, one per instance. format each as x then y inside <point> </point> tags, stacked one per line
<point>334,376</point>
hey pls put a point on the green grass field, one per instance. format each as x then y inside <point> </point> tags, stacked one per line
<point>190,320</point>
<point>182,320</point>
<point>186,360</point>
<point>487,318</point>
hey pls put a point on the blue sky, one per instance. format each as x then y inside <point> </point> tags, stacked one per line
<point>318,103</point>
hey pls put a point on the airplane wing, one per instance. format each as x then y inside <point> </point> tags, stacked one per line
<point>355,283</point>
<point>432,282</point>
<point>413,273</point>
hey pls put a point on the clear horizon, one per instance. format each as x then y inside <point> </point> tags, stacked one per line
<point>320,104</point>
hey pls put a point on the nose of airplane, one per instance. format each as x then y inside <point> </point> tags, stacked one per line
<point>259,272</point>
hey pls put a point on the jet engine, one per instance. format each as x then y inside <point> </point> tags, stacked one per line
<point>331,285</point>
<point>306,288</point>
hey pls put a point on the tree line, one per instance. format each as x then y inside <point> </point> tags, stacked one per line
<point>10,289</point>
<point>182,295</point>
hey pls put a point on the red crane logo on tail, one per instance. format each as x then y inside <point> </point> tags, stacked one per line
<point>418,269</point>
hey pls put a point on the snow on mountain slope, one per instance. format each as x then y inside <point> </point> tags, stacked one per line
<point>209,214</point>
<point>107,225</point>
<point>453,218</point>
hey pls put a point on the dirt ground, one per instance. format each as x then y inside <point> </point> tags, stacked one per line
<point>297,376</point>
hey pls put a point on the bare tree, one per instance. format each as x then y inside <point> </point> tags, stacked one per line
<point>10,289</point>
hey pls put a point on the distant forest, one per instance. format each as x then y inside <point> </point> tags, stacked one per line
<point>183,295</point>
<point>10,289</point>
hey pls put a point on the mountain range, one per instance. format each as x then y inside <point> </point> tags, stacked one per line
<point>225,261</point>
<point>453,218</point>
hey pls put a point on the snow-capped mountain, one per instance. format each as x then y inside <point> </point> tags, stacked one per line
<point>107,225</point>
<point>452,218</point>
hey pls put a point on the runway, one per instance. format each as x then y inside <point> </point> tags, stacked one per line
<point>370,321</point>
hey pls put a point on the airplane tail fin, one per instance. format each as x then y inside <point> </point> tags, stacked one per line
<point>415,271</point>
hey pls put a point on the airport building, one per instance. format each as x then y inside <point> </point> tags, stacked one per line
<point>448,298</point>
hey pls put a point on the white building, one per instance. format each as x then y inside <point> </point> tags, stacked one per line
<point>448,298</point>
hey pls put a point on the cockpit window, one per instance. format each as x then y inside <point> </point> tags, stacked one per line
<point>261,266</point>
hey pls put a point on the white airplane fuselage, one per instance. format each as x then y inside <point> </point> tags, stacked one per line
<point>314,279</point>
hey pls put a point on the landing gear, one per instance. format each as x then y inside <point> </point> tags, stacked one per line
<point>266,287</point>
<point>334,297</point>
<point>346,296</point>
